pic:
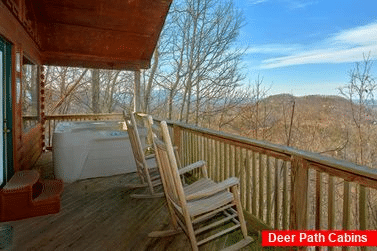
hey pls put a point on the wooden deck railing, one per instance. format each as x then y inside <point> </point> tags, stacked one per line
<point>52,120</point>
<point>282,187</point>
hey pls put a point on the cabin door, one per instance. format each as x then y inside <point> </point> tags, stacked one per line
<point>6,156</point>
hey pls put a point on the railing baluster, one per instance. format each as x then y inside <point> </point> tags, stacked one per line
<point>218,162</point>
<point>200,148</point>
<point>188,161</point>
<point>222,161</point>
<point>213,159</point>
<point>231,161</point>
<point>242,177</point>
<point>192,160</point>
<point>346,206</point>
<point>227,157</point>
<point>208,155</point>
<point>254,171</point>
<point>261,186</point>
<point>331,204</point>
<point>206,150</point>
<point>269,191</point>
<point>346,209</point>
<point>249,200</point>
<point>236,161</point>
<point>198,153</point>
<point>277,194</point>
<point>318,204</point>
<point>362,208</point>
<point>194,147</point>
<point>285,196</point>
<point>184,150</point>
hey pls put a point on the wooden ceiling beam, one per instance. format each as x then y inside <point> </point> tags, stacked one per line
<point>91,61</point>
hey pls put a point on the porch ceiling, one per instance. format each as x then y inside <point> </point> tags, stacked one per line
<point>120,34</point>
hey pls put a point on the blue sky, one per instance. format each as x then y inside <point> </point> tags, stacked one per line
<point>305,47</point>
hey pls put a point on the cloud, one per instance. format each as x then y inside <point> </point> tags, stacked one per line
<point>252,2</point>
<point>280,49</point>
<point>362,35</point>
<point>300,4</point>
<point>292,4</point>
<point>346,46</point>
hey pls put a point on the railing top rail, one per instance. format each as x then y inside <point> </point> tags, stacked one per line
<point>312,158</point>
<point>99,115</point>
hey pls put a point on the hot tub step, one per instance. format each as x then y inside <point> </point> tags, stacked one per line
<point>25,196</point>
<point>48,202</point>
<point>51,189</point>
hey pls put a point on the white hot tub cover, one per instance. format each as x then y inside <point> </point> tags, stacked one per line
<point>91,149</point>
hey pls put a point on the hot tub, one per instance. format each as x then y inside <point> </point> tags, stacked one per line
<point>84,150</point>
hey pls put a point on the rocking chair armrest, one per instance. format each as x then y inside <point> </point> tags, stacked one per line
<point>191,167</point>
<point>153,155</point>
<point>148,147</point>
<point>228,183</point>
<point>150,156</point>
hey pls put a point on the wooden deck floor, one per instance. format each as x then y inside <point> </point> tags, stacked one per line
<point>99,214</point>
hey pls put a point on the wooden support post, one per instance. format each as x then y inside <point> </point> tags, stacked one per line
<point>42,103</point>
<point>299,190</point>
<point>137,92</point>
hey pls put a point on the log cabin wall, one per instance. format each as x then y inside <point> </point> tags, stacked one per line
<point>17,28</point>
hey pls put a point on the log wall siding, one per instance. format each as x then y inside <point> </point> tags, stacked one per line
<point>282,187</point>
<point>21,33</point>
<point>17,30</point>
<point>28,145</point>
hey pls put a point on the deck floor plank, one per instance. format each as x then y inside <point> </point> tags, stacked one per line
<point>99,214</point>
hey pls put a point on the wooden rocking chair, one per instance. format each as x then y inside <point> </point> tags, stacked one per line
<point>200,206</point>
<point>146,166</point>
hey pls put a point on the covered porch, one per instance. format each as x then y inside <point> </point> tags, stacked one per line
<point>281,187</point>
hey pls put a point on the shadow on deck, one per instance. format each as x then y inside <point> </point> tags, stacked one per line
<point>99,214</point>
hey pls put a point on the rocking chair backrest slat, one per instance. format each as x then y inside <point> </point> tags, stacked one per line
<point>171,167</point>
<point>135,145</point>
<point>138,141</point>
<point>167,176</point>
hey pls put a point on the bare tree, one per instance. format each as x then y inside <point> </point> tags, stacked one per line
<point>61,85</point>
<point>255,114</point>
<point>149,85</point>
<point>201,58</point>
<point>359,91</point>
<point>71,90</point>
